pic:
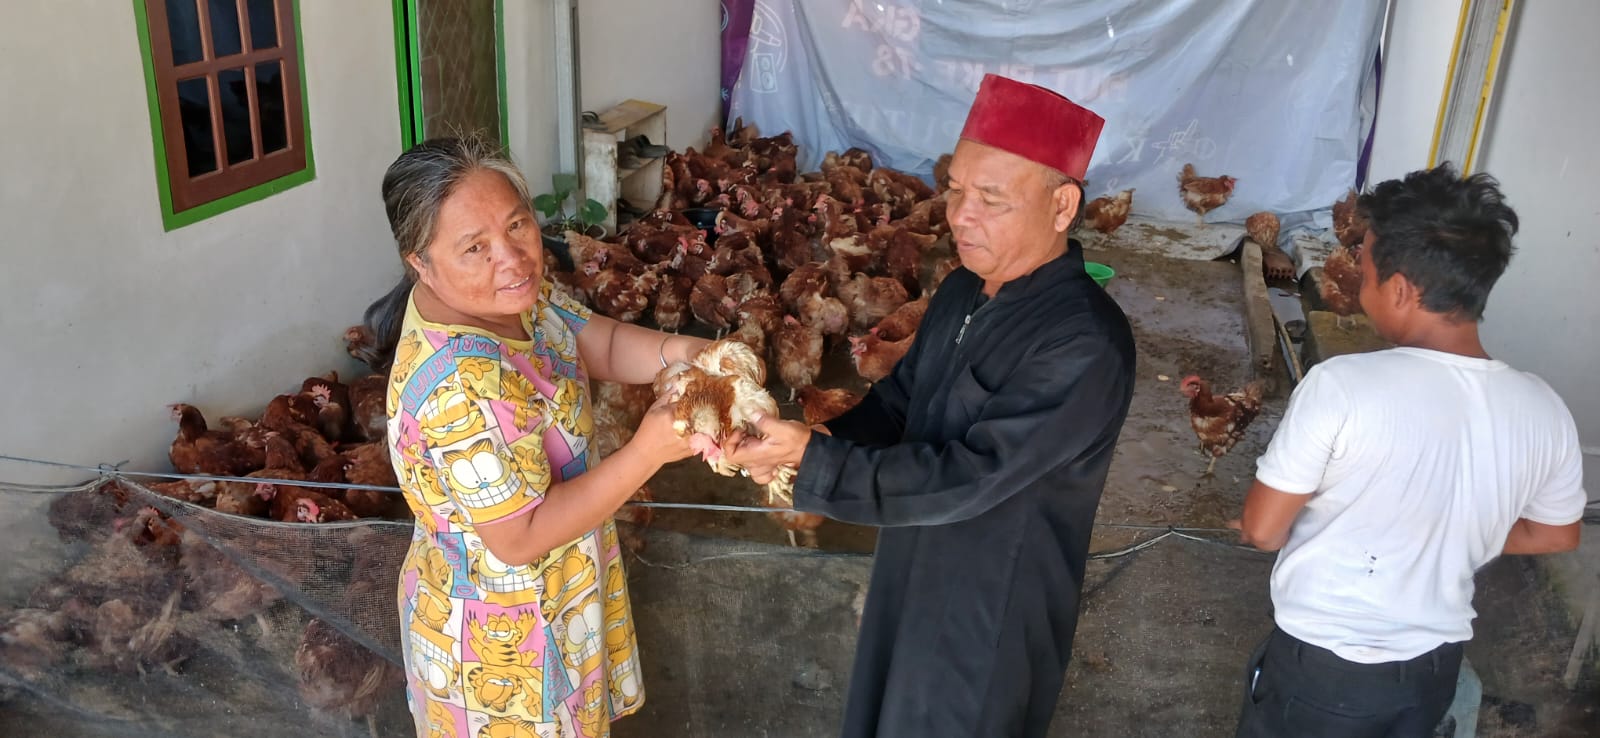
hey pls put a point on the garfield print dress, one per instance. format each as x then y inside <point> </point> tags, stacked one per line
<point>480,426</point>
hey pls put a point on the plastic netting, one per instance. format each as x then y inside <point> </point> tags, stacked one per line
<point>117,622</point>
<point>128,613</point>
<point>129,622</point>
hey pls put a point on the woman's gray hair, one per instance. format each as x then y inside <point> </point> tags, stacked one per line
<point>415,188</point>
<point>417,184</point>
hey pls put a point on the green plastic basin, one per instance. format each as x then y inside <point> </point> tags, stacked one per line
<point>1100,273</point>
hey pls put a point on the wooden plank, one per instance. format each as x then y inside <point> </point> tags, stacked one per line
<point>628,114</point>
<point>1261,333</point>
<point>642,187</point>
<point>600,173</point>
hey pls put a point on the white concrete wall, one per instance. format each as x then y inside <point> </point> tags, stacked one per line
<point>665,52</point>
<point>1416,61</point>
<point>531,89</point>
<point>106,318</point>
<point>1543,316</point>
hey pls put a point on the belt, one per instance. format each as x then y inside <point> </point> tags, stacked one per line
<point>1439,659</point>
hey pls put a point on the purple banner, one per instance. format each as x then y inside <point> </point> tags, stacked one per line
<point>736,16</point>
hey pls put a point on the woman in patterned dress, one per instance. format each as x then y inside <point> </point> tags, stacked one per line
<point>513,597</point>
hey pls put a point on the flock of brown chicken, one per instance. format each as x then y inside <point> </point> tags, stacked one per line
<point>744,246</point>
<point>1341,273</point>
<point>328,432</point>
<point>1200,194</point>
<point>150,593</point>
<point>787,263</point>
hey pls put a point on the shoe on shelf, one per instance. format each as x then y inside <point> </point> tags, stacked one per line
<point>627,208</point>
<point>591,119</point>
<point>641,146</point>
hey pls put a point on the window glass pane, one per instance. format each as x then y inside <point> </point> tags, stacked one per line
<point>235,100</point>
<point>263,23</point>
<point>199,148</point>
<point>225,28</point>
<point>269,96</point>
<point>183,25</point>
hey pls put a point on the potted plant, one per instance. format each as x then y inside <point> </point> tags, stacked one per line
<point>585,218</point>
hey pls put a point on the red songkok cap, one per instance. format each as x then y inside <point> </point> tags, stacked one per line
<point>1034,123</point>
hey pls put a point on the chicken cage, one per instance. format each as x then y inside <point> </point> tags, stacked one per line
<point>135,614</point>
<point>128,613</point>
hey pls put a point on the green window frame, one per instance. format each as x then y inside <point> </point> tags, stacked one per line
<point>245,167</point>
<point>408,55</point>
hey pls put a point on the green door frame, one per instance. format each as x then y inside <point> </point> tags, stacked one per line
<point>408,71</point>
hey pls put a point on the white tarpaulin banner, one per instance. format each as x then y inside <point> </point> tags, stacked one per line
<point>1263,90</point>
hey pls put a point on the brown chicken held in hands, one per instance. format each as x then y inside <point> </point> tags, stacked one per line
<point>1204,194</point>
<point>727,358</point>
<point>1219,422</point>
<point>712,408</point>
<point>1107,214</point>
<point>717,396</point>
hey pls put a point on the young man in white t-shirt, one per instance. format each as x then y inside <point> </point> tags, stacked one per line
<point>1396,475</point>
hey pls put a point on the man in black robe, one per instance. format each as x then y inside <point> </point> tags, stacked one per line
<point>983,455</point>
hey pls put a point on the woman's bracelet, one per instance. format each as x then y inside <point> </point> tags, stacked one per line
<point>661,353</point>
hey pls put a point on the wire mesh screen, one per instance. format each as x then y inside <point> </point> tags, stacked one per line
<point>129,613</point>
<point>149,616</point>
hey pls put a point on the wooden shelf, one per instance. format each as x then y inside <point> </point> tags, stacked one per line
<point>626,115</point>
<point>603,179</point>
<point>626,172</point>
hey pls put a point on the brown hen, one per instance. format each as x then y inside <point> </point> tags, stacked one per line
<point>1107,214</point>
<point>1219,422</point>
<point>1203,194</point>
